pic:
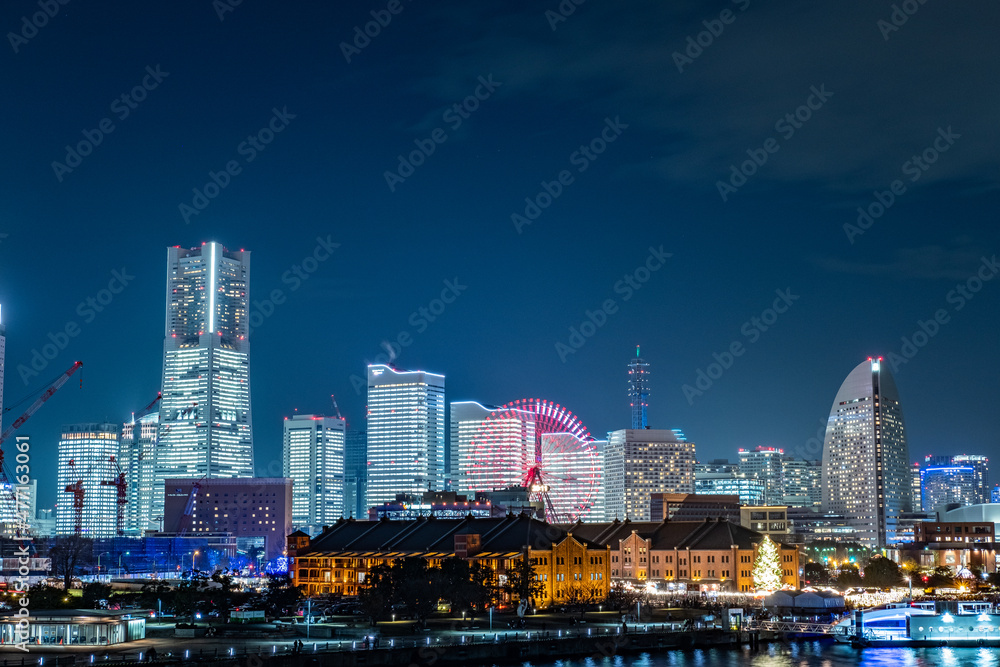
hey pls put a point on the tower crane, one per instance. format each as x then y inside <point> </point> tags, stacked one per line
<point>121,495</point>
<point>336,407</point>
<point>39,402</point>
<point>77,490</point>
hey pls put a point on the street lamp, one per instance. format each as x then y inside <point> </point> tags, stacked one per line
<point>106,553</point>
<point>193,554</point>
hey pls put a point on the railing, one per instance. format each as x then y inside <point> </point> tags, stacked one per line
<point>792,626</point>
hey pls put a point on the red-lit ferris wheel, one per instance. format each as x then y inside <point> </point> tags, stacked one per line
<point>542,446</point>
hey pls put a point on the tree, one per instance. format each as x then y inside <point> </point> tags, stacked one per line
<point>94,593</point>
<point>767,567</point>
<point>882,573</point>
<point>375,593</point>
<point>849,576</point>
<point>280,595</point>
<point>69,552</point>
<point>815,573</point>
<point>42,596</point>
<point>522,582</point>
<point>623,598</point>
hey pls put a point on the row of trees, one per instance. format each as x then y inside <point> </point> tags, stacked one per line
<point>411,586</point>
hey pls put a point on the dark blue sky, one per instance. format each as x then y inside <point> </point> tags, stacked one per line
<point>878,97</point>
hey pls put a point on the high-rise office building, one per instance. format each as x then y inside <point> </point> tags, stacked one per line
<point>313,457</point>
<point>945,484</point>
<point>205,425</point>
<point>866,475</point>
<point>725,479</point>
<point>509,437</point>
<point>640,462</point>
<point>767,465</point>
<point>981,465</point>
<point>638,390</point>
<point>137,458</point>
<point>406,425</point>
<point>803,483</point>
<point>86,454</point>
<point>355,473</point>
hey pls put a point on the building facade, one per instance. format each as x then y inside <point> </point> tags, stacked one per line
<point>708,556</point>
<point>483,434</point>
<point>355,472</point>
<point>256,511</point>
<point>949,484</point>
<point>406,433</point>
<point>137,458</point>
<point>726,479</point>
<point>981,465</point>
<point>866,474</point>
<point>767,465</point>
<point>638,463</point>
<point>313,457</point>
<point>86,459</point>
<point>568,567</point>
<point>205,424</point>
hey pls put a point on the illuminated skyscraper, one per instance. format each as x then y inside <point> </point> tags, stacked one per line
<point>205,425</point>
<point>638,390</point>
<point>947,484</point>
<point>981,465</point>
<point>314,459</point>
<point>85,454</point>
<point>640,462</point>
<point>510,437</point>
<point>766,465</point>
<point>355,473</point>
<point>137,458</point>
<point>406,423</point>
<point>866,475</point>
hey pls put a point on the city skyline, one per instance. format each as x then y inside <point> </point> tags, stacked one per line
<point>515,201</point>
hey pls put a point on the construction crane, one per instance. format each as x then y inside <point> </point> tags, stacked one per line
<point>77,490</point>
<point>336,407</point>
<point>39,402</point>
<point>121,495</point>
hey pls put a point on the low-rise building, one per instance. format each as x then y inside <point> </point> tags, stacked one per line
<point>569,566</point>
<point>709,555</point>
<point>954,544</point>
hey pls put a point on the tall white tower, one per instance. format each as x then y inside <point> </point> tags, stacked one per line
<point>3,354</point>
<point>866,474</point>
<point>406,420</point>
<point>205,426</point>
<point>313,456</point>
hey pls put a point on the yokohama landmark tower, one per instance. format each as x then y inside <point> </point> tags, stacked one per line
<point>205,426</point>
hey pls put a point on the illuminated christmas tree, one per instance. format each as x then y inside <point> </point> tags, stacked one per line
<point>767,567</point>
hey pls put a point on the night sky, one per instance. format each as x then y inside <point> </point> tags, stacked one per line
<point>621,132</point>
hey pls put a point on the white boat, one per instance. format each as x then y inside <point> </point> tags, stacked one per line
<point>905,623</point>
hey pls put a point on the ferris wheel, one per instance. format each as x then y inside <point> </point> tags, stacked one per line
<point>542,446</point>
